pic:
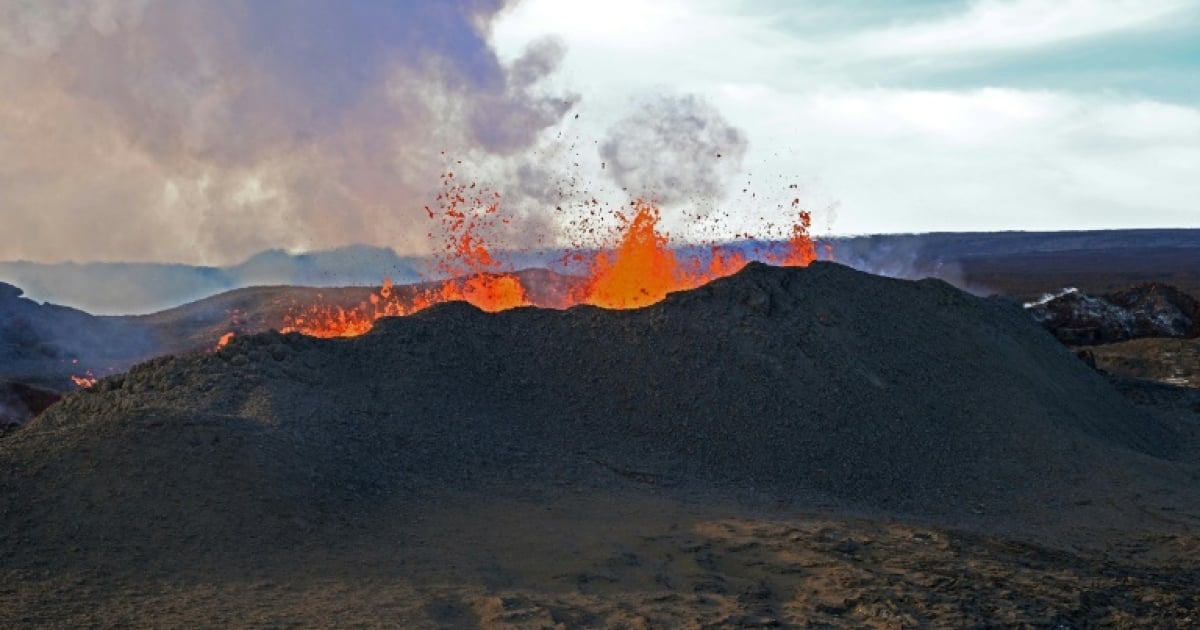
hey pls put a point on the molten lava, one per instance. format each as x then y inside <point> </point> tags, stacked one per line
<point>800,248</point>
<point>643,268</point>
<point>640,270</point>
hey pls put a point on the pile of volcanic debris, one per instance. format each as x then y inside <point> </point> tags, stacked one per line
<point>789,383</point>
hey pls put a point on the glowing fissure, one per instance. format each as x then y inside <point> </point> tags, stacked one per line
<point>640,270</point>
<point>84,382</point>
<point>224,340</point>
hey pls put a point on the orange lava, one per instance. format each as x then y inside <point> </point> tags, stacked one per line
<point>641,269</point>
<point>85,381</point>
<point>490,292</point>
<point>800,248</point>
<point>224,340</point>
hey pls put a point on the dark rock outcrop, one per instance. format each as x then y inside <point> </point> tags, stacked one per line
<point>1148,310</point>
<point>20,402</point>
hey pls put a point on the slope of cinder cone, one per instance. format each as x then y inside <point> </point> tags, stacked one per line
<point>902,396</point>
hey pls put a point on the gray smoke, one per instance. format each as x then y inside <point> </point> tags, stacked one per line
<point>674,148</point>
<point>504,122</point>
<point>203,131</point>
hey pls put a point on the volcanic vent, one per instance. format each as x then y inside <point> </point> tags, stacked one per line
<point>821,381</point>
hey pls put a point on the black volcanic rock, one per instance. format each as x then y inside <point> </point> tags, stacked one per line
<point>908,397</point>
<point>9,293</point>
<point>1147,310</point>
<point>20,402</point>
<point>1159,310</point>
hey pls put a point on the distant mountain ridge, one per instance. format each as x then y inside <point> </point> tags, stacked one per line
<point>136,288</point>
<point>965,245</point>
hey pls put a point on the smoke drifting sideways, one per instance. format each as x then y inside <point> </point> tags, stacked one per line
<point>205,131</point>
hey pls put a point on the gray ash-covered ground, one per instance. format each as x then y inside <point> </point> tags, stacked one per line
<point>1167,361</point>
<point>472,451</point>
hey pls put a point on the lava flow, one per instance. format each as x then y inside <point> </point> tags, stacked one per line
<point>641,269</point>
<point>85,381</point>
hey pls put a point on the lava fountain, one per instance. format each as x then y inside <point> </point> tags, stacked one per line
<point>638,270</point>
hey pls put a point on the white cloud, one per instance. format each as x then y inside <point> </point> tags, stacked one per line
<point>623,25</point>
<point>684,43</point>
<point>903,160</point>
<point>899,158</point>
<point>996,25</point>
<point>628,45</point>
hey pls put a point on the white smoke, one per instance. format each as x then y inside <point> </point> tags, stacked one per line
<point>1049,297</point>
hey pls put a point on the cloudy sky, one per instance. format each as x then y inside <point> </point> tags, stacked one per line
<point>918,116</point>
<point>202,131</point>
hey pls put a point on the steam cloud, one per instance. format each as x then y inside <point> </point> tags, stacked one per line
<point>674,148</point>
<point>203,131</point>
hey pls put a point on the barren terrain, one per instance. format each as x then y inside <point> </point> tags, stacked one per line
<point>782,447</point>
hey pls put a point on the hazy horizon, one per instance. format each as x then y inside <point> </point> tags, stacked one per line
<point>124,288</point>
<point>829,236</point>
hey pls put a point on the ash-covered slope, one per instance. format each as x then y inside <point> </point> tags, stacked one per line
<point>910,397</point>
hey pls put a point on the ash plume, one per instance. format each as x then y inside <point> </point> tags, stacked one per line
<point>674,148</point>
<point>204,131</point>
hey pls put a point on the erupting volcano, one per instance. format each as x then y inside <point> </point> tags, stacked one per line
<point>639,268</point>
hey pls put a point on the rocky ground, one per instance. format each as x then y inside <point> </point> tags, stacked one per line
<point>630,558</point>
<point>1168,361</point>
<point>786,446</point>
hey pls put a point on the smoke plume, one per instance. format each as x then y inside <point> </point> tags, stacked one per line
<point>203,131</point>
<point>674,148</point>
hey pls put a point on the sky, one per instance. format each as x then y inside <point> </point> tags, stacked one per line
<point>204,131</point>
